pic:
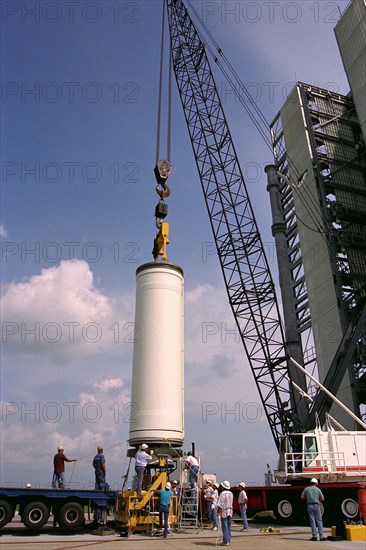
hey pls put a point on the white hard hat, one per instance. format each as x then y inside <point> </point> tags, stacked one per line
<point>226,485</point>
<point>168,485</point>
<point>217,485</point>
<point>314,480</point>
<point>175,481</point>
<point>242,484</point>
<point>144,446</point>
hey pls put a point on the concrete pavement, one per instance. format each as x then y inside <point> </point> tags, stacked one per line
<point>289,538</point>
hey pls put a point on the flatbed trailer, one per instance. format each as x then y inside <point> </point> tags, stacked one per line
<point>343,501</point>
<point>67,506</point>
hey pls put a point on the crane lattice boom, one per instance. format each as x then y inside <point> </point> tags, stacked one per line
<point>239,246</point>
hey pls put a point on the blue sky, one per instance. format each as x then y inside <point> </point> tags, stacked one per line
<point>79,109</point>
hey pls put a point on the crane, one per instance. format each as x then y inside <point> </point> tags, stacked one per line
<point>248,279</point>
<point>279,375</point>
<point>251,291</point>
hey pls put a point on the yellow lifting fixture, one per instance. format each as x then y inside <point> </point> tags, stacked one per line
<point>161,241</point>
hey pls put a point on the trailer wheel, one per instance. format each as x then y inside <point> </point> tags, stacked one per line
<point>71,515</point>
<point>349,508</point>
<point>35,515</point>
<point>6,513</point>
<point>285,510</point>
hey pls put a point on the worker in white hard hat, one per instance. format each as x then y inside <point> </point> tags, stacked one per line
<point>313,496</point>
<point>242,501</point>
<point>207,495</point>
<point>59,460</point>
<point>214,499</point>
<point>175,487</point>
<point>225,511</point>
<point>141,460</point>
<point>165,496</point>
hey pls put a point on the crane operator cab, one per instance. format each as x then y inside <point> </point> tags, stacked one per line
<point>297,452</point>
<point>331,455</point>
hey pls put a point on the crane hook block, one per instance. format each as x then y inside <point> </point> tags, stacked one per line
<point>162,171</point>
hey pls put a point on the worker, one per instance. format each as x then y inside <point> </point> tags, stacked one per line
<point>193,466</point>
<point>100,512</point>
<point>175,488</point>
<point>207,495</point>
<point>141,460</point>
<point>59,460</point>
<point>225,511</point>
<point>242,501</point>
<point>165,496</point>
<point>100,469</point>
<point>313,496</point>
<point>214,499</point>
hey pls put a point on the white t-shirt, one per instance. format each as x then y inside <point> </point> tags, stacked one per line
<point>191,461</point>
<point>208,493</point>
<point>242,498</point>
<point>142,458</point>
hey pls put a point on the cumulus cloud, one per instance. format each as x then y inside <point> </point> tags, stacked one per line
<point>97,415</point>
<point>59,311</point>
<point>88,408</point>
<point>105,385</point>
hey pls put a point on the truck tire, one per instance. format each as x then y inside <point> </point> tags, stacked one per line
<point>285,511</point>
<point>349,508</point>
<point>71,515</point>
<point>35,515</point>
<point>6,513</point>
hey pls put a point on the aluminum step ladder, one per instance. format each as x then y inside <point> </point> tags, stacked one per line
<point>189,509</point>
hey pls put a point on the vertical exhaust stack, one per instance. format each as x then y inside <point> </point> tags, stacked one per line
<point>158,357</point>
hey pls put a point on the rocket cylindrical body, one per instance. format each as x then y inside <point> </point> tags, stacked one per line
<point>157,394</point>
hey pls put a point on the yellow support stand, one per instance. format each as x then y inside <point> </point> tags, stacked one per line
<point>355,532</point>
<point>137,512</point>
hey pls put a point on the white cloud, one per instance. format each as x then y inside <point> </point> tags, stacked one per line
<point>91,408</point>
<point>79,423</point>
<point>105,385</point>
<point>59,312</point>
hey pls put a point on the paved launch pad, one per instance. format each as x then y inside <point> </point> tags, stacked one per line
<point>16,536</point>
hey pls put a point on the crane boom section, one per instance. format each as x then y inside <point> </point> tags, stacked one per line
<point>241,253</point>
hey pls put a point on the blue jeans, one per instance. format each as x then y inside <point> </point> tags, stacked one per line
<point>193,475</point>
<point>243,513</point>
<point>226,529</point>
<point>208,509</point>
<point>316,521</point>
<point>214,517</point>
<point>58,480</point>
<point>140,477</point>
<point>100,482</point>
<point>164,512</point>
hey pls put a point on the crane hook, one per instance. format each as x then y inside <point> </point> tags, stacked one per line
<point>163,191</point>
